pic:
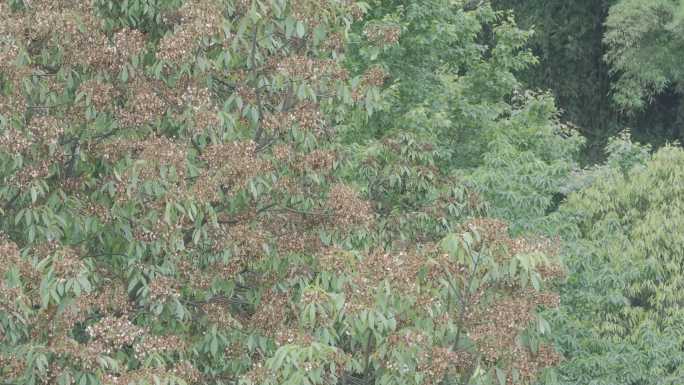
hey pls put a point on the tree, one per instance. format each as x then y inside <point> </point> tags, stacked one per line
<point>183,201</point>
<point>622,312</point>
<point>459,131</point>
<point>610,64</point>
<point>568,41</point>
<point>156,159</point>
<point>642,39</point>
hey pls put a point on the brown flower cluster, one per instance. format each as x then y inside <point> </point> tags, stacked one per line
<point>13,366</point>
<point>162,288</point>
<point>94,209</point>
<point>176,47</point>
<point>400,270</point>
<point>12,104</point>
<point>355,9</point>
<point>529,245</point>
<point>333,43</point>
<point>491,231</point>
<point>114,333</point>
<point>183,370</point>
<point>197,100</point>
<point>292,337</point>
<point>308,11</point>
<point>246,93</point>
<point>67,263</point>
<point>10,257</point>
<point>336,260</point>
<point>272,313</point>
<point>547,299</point>
<point>293,234</point>
<point>552,271</point>
<point>98,94</point>
<point>497,326</point>
<point>36,171</point>
<point>247,242</point>
<point>199,278</point>
<point>127,44</point>
<point>307,68</point>
<point>347,208</point>
<point>11,44</point>
<point>259,374</point>
<point>219,315</point>
<point>440,361</point>
<point>382,35</point>
<point>152,156</point>
<point>529,364</point>
<point>9,50</point>
<point>205,118</point>
<point>230,166</point>
<point>306,116</point>
<point>40,131</point>
<point>494,324</point>
<point>433,362</point>
<point>373,77</point>
<point>494,235</point>
<point>13,141</point>
<point>94,49</point>
<point>408,338</point>
<point>114,150</point>
<point>75,28</point>
<point>153,344</point>
<point>46,130</point>
<point>8,302</point>
<point>85,355</point>
<point>161,151</point>
<point>111,301</point>
<point>282,152</point>
<point>144,105</point>
<point>196,19</point>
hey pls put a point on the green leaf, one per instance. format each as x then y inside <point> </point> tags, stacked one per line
<point>301,29</point>
<point>500,375</point>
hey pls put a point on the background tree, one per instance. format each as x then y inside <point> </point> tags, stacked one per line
<point>643,40</point>
<point>586,63</point>
<point>621,318</point>
<point>455,114</point>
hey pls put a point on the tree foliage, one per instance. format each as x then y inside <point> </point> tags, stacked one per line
<point>458,113</point>
<point>621,319</point>
<point>332,192</point>
<point>643,40</point>
<point>567,40</point>
<point>271,192</point>
<point>610,64</point>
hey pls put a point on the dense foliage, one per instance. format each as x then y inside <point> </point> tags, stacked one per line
<point>644,39</point>
<point>622,319</point>
<point>215,192</point>
<point>610,63</point>
<point>332,192</point>
<point>568,41</point>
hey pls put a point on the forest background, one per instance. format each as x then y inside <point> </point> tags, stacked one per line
<point>339,192</point>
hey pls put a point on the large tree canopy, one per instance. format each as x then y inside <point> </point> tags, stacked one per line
<point>271,192</point>
<point>332,192</point>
